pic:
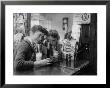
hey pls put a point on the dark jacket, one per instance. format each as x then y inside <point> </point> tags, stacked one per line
<point>24,56</point>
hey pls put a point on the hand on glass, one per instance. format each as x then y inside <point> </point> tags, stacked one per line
<point>55,54</point>
<point>42,62</point>
<point>38,56</point>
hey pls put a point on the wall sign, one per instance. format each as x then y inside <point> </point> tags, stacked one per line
<point>82,18</point>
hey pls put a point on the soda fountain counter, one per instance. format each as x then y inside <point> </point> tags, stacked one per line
<point>63,67</point>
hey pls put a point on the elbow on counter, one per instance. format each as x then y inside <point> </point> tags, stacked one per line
<point>23,66</point>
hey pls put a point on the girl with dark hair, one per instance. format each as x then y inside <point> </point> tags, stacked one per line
<point>54,47</point>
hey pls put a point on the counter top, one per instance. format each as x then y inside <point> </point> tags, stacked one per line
<point>55,69</point>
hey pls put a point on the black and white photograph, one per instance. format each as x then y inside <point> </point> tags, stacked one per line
<point>54,43</point>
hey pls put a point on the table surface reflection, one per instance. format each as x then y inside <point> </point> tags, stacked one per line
<point>55,69</point>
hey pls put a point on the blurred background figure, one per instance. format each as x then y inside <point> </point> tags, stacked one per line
<point>68,45</point>
<point>53,48</point>
<point>43,44</point>
<point>18,37</point>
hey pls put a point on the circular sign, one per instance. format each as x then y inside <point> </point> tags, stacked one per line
<point>85,16</point>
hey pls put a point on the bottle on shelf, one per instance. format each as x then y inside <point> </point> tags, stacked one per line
<point>67,60</point>
<point>48,52</point>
